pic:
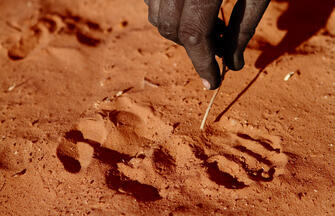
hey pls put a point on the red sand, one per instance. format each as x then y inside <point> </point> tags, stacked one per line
<point>99,115</point>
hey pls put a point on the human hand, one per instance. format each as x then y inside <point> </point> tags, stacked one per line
<point>194,24</point>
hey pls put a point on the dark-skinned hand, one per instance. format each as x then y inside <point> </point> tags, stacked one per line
<point>195,25</point>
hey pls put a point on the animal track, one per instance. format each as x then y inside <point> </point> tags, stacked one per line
<point>121,136</point>
<point>241,155</point>
<point>86,32</point>
<point>145,157</point>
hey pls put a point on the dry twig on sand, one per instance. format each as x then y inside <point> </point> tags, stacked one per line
<point>211,102</point>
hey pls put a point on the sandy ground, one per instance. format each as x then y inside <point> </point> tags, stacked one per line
<point>100,116</point>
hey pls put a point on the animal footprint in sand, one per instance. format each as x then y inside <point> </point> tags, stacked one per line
<point>38,35</point>
<point>123,135</point>
<point>144,155</point>
<point>238,156</point>
<point>123,126</point>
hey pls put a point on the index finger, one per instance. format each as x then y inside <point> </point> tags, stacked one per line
<point>196,25</point>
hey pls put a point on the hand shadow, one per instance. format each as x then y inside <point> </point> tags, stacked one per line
<point>302,20</point>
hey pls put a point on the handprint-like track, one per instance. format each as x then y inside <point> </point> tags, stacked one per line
<point>238,156</point>
<point>144,154</point>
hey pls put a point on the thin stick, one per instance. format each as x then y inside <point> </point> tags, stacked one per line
<point>218,89</point>
<point>208,109</point>
<point>211,104</point>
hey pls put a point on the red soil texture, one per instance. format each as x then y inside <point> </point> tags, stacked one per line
<point>100,115</point>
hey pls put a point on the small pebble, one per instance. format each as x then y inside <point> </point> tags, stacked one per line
<point>11,88</point>
<point>288,76</point>
<point>118,94</point>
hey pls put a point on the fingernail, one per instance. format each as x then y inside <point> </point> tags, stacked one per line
<point>206,84</point>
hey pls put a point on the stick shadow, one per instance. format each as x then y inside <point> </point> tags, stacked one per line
<point>238,96</point>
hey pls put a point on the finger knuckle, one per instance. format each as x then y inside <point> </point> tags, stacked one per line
<point>168,30</point>
<point>190,37</point>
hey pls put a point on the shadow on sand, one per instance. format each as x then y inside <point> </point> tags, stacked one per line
<point>301,20</point>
